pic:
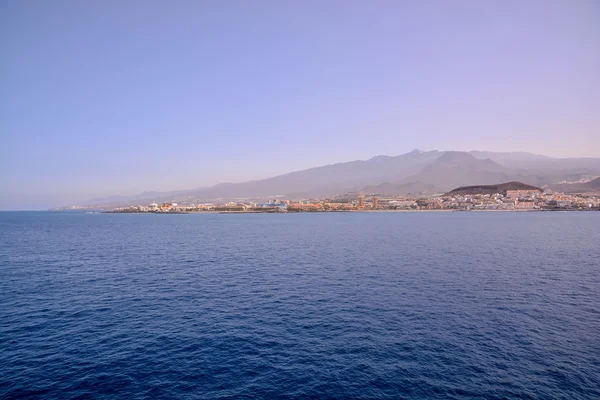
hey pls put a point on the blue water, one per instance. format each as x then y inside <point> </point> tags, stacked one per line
<point>334,305</point>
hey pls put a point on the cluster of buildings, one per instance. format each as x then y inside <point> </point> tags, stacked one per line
<point>272,206</point>
<point>510,200</point>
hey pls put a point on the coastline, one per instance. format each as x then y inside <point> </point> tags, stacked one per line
<point>336,211</point>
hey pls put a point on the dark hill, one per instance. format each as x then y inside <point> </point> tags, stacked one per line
<point>491,189</point>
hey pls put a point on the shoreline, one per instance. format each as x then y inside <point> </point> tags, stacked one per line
<point>332,211</point>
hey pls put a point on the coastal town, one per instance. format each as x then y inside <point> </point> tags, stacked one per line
<point>517,197</point>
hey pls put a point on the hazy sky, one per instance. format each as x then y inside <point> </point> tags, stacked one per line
<point>120,97</point>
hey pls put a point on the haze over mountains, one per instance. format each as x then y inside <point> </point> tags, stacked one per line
<point>586,187</point>
<point>417,172</point>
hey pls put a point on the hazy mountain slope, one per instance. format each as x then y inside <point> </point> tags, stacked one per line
<point>542,170</point>
<point>538,163</point>
<point>327,179</point>
<point>588,187</point>
<point>456,168</point>
<point>387,188</point>
<point>414,172</point>
<point>508,157</point>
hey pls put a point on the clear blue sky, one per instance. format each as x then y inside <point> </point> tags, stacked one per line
<point>120,97</point>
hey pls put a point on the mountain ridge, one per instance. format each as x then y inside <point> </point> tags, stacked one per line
<point>417,171</point>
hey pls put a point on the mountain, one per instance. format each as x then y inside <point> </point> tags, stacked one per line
<point>592,186</point>
<point>501,188</point>
<point>452,169</point>
<point>387,188</point>
<point>456,168</point>
<point>324,181</point>
<point>414,172</point>
<point>509,157</point>
<point>542,170</point>
<point>539,163</point>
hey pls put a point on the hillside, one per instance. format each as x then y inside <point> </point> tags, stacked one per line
<point>491,189</point>
<point>320,181</point>
<point>458,169</point>
<point>425,172</point>
<point>588,187</point>
<point>387,188</point>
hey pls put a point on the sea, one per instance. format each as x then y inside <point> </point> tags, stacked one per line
<point>373,305</point>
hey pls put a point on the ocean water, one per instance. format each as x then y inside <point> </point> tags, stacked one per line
<point>335,305</point>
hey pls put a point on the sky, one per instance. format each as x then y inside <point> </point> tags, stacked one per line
<point>122,97</point>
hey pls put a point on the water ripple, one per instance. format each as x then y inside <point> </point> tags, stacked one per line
<point>374,305</point>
